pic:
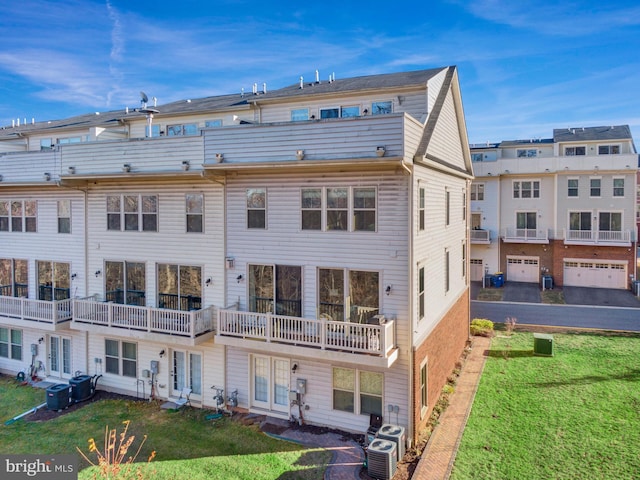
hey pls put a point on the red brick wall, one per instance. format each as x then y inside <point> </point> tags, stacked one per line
<point>443,348</point>
<point>544,251</point>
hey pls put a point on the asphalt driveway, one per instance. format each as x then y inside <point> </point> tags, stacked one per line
<point>530,293</point>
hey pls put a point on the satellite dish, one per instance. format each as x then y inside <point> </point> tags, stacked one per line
<point>143,97</point>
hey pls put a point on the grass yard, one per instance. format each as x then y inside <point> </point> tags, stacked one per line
<point>573,415</point>
<point>490,294</point>
<point>552,296</point>
<point>187,445</point>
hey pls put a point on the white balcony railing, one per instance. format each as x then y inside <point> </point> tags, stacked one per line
<point>43,311</point>
<point>480,236</point>
<point>598,236</point>
<point>358,338</point>
<point>149,319</point>
<point>524,235</point>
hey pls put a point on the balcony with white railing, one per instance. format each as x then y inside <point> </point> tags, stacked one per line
<point>360,343</point>
<point>41,314</point>
<point>614,238</point>
<point>524,235</point>
<point>479,236</point>
<point>150,323</point>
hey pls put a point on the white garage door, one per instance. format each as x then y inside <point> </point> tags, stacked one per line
<point>595,274</point>
<point>477,269</point>
<point>523,269</point>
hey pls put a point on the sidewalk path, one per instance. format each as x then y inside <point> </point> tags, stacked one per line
<point>438,456</point>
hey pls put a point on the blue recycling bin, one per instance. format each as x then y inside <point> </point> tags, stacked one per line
<point>547,282</point>
<point>498,279</point>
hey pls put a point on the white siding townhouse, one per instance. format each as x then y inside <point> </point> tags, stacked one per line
<point>562,207</point>
<point>307,247</point>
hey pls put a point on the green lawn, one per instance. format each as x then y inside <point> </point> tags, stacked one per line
<point>573,415</point>
<point>187,445</point>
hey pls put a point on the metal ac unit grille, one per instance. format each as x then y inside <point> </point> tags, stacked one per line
<point>381,459</point>
<point>394,433</point>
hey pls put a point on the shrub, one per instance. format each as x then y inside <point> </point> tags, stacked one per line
<point>481,327</point>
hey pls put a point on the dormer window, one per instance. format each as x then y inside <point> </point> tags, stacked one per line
<point>575,151</point>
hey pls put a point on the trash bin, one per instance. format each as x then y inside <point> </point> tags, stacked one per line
<point>547,282</point>
<point>80,387</point>
<point>636,287</point>
<point>498,279</point>
<point>58,396</point>
<point>488,281</point>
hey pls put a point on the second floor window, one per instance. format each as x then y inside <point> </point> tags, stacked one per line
<point>526,189</point>
<point>608,149</point>
<point>138,213</point>
<point>275,289</point>
<point>421,291</point>
<point>54,280</point>
<point>526,152</point>
<point>421,210</point>
<point>64,216</point>
<point>18,216</point>
<point>477,191</point>
<point>195,212</point>
<point>525,221</point>
<point>355,301</point>
<point>594,185</point>
<point>618,187</point>
<point>610,221</point>
<point>14,275</point>
<point>179,287</point>
<point>256,208</point>
<point>572,187</point>
<point>125,283</point>
<point>580,221</point>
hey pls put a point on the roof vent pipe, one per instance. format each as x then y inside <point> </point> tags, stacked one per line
<point>317,76</point>
<point>301,82</point>
<point>264,88</point>
<point>255,88</point>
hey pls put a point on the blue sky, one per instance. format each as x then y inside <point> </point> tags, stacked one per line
<point>525,67</point>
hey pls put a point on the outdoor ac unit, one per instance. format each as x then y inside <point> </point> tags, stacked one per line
<point>381,459</point>
<point>394,433</point>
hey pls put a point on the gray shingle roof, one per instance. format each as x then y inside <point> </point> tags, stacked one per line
<point>584,134</point>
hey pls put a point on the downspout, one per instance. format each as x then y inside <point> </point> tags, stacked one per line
<point>410,350</point>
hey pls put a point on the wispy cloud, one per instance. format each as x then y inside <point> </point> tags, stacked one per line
<point>563,19</point>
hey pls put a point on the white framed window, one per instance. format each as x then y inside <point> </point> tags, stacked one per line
<point>14,277</point>
<point>121,358</point>
<point>194,210</point>
<point>339,208</point>
<point>447,206</point>
<point>340,112</point>
<point>595,185</point>
<point>610,221</point>
<point>618,187</point>
<point>464,206</point>
<point>526,189</point>
<point>256,208</point>
<point>381,108</point>
<point>526,152</point>
<point>421,292</point>
<point>421,209</point>
<point>477,191</point>
<point>54,280</point>
<point>350,111</point>
<point>424,387</point>
<point>11,343</point>
<point>46,144</point>
<point>348,295</point>
<point>179,286</point>
<point>357,391</point>
<point>64,216</point>
<point>125,282</point>
<point>477,157</point>
<point>299,114</point>
<point>132,213</point>
<point>182,129</point>
<point>275,289</point>
<point>526,222</point>
<point>572,187</point>
<point>18,216</point>
<point>575,151</point>
<point>447,270</point>
<point>464,259</point>
<point>608,149</point>
<point>580,221</point>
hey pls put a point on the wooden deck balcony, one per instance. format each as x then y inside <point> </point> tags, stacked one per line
<point>41,314</point>
<point>364,344</point>
<point>525,235</point>
<point>148,323</point>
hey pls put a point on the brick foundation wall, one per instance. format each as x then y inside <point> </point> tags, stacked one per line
<point>443,349</point>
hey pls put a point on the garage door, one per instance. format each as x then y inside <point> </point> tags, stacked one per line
<point>595,274</point>
<point>477,270</point>
<point>523,269</point>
